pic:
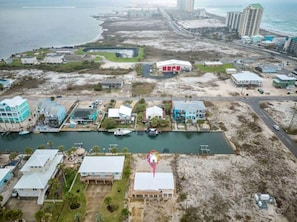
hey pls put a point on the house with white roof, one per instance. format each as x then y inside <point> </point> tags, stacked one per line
<point>146,186</point>
<point>154,111</point>
<point>246,78</point>
<point>101,168</point>
<point>53,58</point>
<point>37,171</point>
<point>29,60</point>
<point>174,65</point>
<point>14,110</point>
<point>123,113</point>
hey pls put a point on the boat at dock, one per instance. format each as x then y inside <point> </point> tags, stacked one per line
<point>24,132</point>
<point>152,132</point>
<point>122,132</point>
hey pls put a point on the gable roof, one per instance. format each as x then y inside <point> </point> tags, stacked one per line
<point>146,181</point>
<point>102,164</point>
<point>154,111</point>
<point>125,110</point>
<point>247,76</point>
<point>113,113</point>
<point>173,62</point>
<point>39,158</point>
<point>189,106</point>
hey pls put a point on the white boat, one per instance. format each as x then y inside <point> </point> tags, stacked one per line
<point>24,132</point>
<point>122,132</point>
<point>152,132</point>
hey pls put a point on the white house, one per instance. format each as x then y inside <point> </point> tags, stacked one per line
<point>29,60</point>
<point>53,58</point>
<point>37,171</point>
<point>101,168</point>
<point>154,111</point>
<point>173,65</point>
<point>123,113</point>
<point>246,78</point>
<point>147,186</point>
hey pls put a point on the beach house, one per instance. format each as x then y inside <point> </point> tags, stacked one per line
<point>14,110</point>
<point>154,112</point>
<point>184,111</point>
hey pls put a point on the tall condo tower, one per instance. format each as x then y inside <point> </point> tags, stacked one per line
<point>185,5</point>
<point>233,20</point>
<point>251,20</point>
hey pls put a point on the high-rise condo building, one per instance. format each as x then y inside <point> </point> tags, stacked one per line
<point>233,20</point>
<point>251,20</point>
<point>185,5</point>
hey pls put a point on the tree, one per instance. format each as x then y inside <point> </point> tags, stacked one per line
<point>109,123</point>
<point>154,122</point>
<point>50,144</point>
<point>61,148</point>
<point>13,155</point>
<point>28,150</point>
<point>61,166</point>
<point>98,87</point>
<point>77,217</point>
<point>125,213</point>
<point>114,150</point>
<point>42,146</point>
<point>13,215</point>
<point>39,215</point>
<point>125,150</point>
<point>107,201</point>
<point>1,86</point>
<point>96,149</point>
<point>99,217</point>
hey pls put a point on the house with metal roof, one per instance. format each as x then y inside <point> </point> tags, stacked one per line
<point>101,168</point>
<point>14,110</point>
<point>284,81</point>
<point>188,110</point>
<point>246,78</point>
<point>53,58</point>
<point>146,186</point>
<point>122,113</point>
<point>174,65</point>
<point>37,171</point>
<point>154,111</point>
<point>267,68</point>
<point>29,60</point>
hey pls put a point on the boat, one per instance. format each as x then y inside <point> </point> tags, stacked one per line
<point>122,132</point>
<point>152,132</point>
<point>24,132</point>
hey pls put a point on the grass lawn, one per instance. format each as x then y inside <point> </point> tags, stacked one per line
<point>221,68</point>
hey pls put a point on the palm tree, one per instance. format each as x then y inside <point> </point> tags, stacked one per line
<point>114,150</point>
<point>61,148</point>
<point>96,149</point>
<point>13,155</point>
<point>61,166</point>
<point>125,150</point>
<point>107,201</point>
<point>28,151</point>
<point>99,217</point>
<point>50,144</point>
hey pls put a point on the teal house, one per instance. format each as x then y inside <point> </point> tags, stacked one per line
<point>283,81</point>
<point>188,110</point>
<point>5,175</point>
<point>14,110</point>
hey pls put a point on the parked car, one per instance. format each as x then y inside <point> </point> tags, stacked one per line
<point>276,127</point>
<point>260,90</point>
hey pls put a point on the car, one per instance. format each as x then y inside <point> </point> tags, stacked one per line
<point>260,90</point>
<point>276,127</point>
<point>58,96</point>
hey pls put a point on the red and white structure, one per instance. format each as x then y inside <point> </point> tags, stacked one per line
<point>173,66</point>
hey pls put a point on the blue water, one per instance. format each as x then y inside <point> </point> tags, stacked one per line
<point>280,17</point>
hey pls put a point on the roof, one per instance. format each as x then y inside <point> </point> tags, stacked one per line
<point>15,101</point>
<point>155,110</point>
<point>256,6</point>
<point>106,164</point>
<point>111,81</point>
<point>173,62</point>
<point>146,181</point>
<point>113,113</point>
<point>246,76</point>
<point>3,173</point>
<point>39,179</point>
<point>39,158</point>
<point>189,106</point>
<point>125,110</point>
<point>284,77</point>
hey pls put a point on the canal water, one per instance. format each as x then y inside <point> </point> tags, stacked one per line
<point>169,142</point>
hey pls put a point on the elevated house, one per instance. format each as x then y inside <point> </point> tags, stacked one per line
<point>5,175</point>
<point>37,171</point>
<point>188,110</point>
<point>246,79</point>
<point>112,83</point>
<point>283,81</point>
<point>154,112</point>
<point>53,58</point>
<point>84,115</point>
<point>124,113</point>
<point>53,113</point>
<point>146,186</point>
<point>101,169</point>
<point>14,110</point>
<point>29,60</point>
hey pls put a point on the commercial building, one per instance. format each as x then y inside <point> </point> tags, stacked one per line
<point>37,171</point>
<point>185,5</point>
<point>14,110</point>
<point>293,46</point>
<point>267,68</point>
<point>246,79</point>
<point>251,20</point>
<point>174,66</point>
<point>233,20</point>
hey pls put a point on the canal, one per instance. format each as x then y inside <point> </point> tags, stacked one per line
<point>169,142</point>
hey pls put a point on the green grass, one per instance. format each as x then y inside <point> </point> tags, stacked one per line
<point>221,68</point>
<point>117,195</point>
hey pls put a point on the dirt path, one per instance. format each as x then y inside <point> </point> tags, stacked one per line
<point>95,194</point>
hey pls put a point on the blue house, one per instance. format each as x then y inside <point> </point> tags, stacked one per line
<point>188,110</point>
<point>5,175</point>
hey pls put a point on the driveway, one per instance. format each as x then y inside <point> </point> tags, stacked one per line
<point>95,195</point>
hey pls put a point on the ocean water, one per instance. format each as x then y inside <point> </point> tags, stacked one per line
<point>278,17</point>
<point>34,24</point>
